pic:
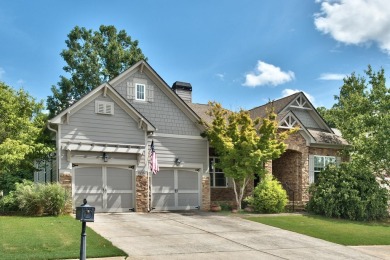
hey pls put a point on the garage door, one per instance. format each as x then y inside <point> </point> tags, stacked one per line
<point>107,188</point>
<point>175,189</point>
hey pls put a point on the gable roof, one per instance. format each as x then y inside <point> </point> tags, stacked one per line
<point>105,89</point>
<point>278,105</point>
<point>144,67</point>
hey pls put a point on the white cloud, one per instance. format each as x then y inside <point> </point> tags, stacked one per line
<point>20,82</point>
<point>267,74</point>
<point>288,92</point>
<point>2,72</point>
<point>356,22</point>
<point>221,76</point>
<point>332,76</point>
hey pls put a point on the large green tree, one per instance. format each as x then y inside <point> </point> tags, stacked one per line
<point>92,57</point>
<point>243,145</point>
<point>362,113</point>
<point>21,126</point>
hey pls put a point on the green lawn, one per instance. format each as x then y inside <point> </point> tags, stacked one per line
<point>344,232</point>
<point>49,238</point>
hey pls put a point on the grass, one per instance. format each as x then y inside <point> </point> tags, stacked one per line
<point>49,238</point>
<point>344,232</point>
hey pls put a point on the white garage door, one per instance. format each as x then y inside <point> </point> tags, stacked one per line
<point>175,189</point>
<point>107,188</point>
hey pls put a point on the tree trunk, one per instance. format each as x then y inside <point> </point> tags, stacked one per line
<point>240,196</point>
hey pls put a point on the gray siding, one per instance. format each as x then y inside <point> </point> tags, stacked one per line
<point>306,119</point>
<point>86,125</point>
<point>185,95</point>
<point>162,112</point>
<point>188,150</point>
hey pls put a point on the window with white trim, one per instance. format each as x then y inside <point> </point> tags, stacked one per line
<point>318,163</point>
<point>140,92</point>
<point>217,176</point>
<point>104,107</point>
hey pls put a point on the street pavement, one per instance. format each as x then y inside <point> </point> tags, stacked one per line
<point>204,235</point>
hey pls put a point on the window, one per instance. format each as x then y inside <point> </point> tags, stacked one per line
<point>140,92</point>
<point>217,177</point>
<point>104,107</point>
<point>319,164</point>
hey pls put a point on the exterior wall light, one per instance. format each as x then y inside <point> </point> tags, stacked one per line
<point>105,157</point>
<point>178,162</point>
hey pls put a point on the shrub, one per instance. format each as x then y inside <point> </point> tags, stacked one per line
<point>28,198</point>
<point>38,199</point>
<point>8,203</point>
<point>349,191</point>
<point>268,196</point>
<point>54,198</point>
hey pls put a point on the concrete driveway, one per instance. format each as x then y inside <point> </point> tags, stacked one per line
<point>200,235</point>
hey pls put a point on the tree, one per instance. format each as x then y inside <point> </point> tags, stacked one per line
<point>327,115</point>
<point>92,58</point>
<point>362,113</point>
<point>243,145</point>
<point>21,126</point>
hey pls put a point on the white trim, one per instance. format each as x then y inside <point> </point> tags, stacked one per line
<point>196,137</point>
<point>123,162</point>
<point>143,92</point>
<point>99,148</point>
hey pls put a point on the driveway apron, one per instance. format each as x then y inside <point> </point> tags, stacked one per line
<point>202,235</point>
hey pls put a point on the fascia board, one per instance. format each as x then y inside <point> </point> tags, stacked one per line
<point>78,105</point>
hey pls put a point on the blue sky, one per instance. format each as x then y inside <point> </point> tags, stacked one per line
<point>240,53</point>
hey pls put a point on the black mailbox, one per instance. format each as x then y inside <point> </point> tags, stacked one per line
<point>85,213</point>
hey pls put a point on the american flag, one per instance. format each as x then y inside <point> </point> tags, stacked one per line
<point>153,160</point>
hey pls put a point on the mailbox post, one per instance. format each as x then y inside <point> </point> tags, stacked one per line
<point>85,213</point>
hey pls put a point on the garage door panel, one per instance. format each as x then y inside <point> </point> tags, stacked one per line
<point>89,180</point>
<point>187,180</point>
<point>188,200</point>
<point>93,199</point>
<point>163,201</point>
<point>163,182</point>
<point>119,201</point>
<point>119,179</point>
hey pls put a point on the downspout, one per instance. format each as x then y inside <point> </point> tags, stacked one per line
<point>57,155</point>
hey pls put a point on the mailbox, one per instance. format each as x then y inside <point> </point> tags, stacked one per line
<point>85,213</point>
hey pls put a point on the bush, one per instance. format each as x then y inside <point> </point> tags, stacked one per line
<point>38,199</point>
<point>28,198</point>
<point>8,203</point>
<point>268,196</point>
<point>349,191</point>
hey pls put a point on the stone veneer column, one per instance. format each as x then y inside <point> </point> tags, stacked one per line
<point>66,180</point>
<point>205,193</point>
<point>141,193</point>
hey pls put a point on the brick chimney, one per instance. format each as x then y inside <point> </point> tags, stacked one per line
<point>183,90</point>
